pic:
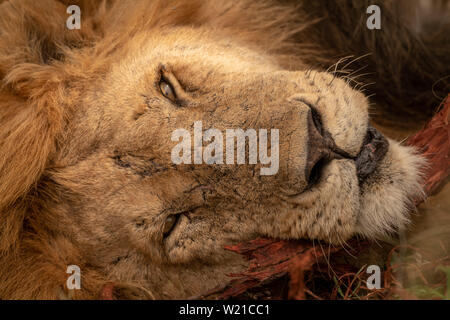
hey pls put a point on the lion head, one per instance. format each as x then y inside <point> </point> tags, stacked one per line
<point>110,186</point>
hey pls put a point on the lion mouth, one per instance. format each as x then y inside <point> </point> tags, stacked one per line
<point>374,149</point>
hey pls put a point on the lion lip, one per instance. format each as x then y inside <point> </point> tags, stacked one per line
<point>374,149</point>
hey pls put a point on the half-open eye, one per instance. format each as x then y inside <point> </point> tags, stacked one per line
<point>167,90</point>
<point>169,224</point>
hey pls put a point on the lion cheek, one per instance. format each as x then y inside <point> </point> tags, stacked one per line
<point>327,212</point>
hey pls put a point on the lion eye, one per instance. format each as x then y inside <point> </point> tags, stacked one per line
<point>167,90</point>
<point>169,224</point>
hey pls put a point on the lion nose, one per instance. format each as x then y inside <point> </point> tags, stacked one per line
<point>321,148</point>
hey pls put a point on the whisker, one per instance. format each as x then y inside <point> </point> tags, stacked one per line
<point>359,58</point>
<point>343,244</point>
<point>326,259</point>
<point>338,62</point>
<point>368,84</point>
<point>360,69</point>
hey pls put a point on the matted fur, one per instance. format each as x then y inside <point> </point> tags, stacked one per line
<point>55,83</point>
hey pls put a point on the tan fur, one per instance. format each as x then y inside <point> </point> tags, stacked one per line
<point>85,169</point>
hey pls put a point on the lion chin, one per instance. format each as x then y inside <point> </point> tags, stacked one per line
<point>388,195</point>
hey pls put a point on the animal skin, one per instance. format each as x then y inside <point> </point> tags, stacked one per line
<point>85,135</point>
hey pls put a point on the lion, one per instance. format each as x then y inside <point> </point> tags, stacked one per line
<point>87,117</point>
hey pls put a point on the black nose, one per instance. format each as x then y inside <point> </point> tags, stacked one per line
<point>321,148</point>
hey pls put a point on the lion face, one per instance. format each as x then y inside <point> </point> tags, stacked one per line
<point>139,216</point>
